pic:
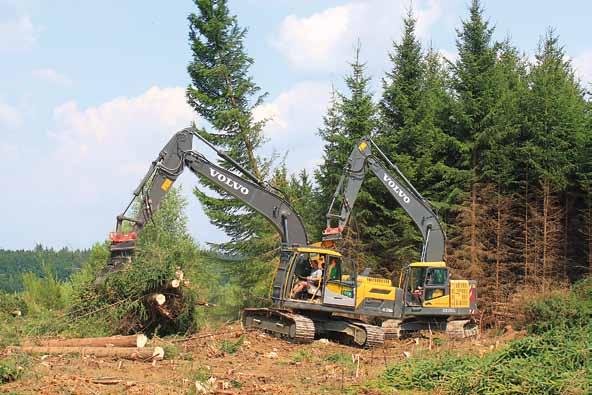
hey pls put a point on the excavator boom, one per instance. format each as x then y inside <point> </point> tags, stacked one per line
<point>360,161</point>
<point>170,164</point>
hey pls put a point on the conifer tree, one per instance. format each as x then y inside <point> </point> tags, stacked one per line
<point>349,117</point>
<point>556,117</point>
<point>474,85</point>
<point>224,94</point>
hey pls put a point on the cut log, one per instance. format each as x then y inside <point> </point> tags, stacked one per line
<point>186,283</point>
<point>135,354</point>
<point>174,283</point>
<point>179,274</point>
<point>164,312</point>
<point>111,341</point>
<point>159,299</point>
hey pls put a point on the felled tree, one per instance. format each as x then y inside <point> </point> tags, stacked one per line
<point>150,293</point>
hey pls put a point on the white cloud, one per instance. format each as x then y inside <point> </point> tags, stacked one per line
<point>310,42</point>
<point>52,76</point>
<point>18,34</point>
<point>95,157</point>
<point>297,115</point>
<point>109,146</point>
<point>325,40</point>
<point>583,66</point>
<point>9,115</point>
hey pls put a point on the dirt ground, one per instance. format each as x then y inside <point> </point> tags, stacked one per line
<point>229,361</point>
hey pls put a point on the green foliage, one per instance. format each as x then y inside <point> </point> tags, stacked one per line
<point>341,359</point>
<point>224,94</point>
<point>201,374</point>
<point>13,367</point>
<point>302,355</point>
<point>561,311</point>
<point>121,303</point>
<point>44,292</point>
<point>556,360</point>
<point>230,347</point>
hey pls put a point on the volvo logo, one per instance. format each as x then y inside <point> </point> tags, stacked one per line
<point>228,181</point>
<point>389,181</point>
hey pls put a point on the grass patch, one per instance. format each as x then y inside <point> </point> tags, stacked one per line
<point>230,347</point>
<point>201,374</point>
<point>13,368</point>
<point>555,359</point>
<point>302,356</point>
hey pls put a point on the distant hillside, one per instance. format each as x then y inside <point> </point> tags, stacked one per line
<point>14,263</point>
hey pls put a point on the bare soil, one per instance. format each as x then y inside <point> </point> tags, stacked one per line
<point>262,364</point>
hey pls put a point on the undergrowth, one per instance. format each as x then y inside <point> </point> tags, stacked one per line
<point>13,367</point>
<point>556,358</point>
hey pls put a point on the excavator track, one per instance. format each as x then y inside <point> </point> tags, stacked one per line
<point>285,324</point>
<point>393,330</point>
<point>462,328</point>
<point>374,334</point>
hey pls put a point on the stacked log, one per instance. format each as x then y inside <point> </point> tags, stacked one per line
<point>164,305</point>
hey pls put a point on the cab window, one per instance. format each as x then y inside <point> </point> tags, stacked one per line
<point>436,276</point>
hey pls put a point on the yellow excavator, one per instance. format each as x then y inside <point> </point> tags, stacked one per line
<point>426,297</point>
<point>338,303</point>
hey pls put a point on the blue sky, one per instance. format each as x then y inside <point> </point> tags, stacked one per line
<point>91,90</point>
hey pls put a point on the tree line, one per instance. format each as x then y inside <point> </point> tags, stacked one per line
<point>498,143</point>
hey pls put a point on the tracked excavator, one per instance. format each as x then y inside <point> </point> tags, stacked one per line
<point>426,297</point>
<point>298,317</point>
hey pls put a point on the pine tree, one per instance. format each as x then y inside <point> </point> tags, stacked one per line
<point>223,93</point>
<point>350,117</point>
<point>328,173</point>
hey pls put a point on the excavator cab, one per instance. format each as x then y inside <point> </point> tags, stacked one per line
<point>337,286</point>
<point>424,282</point>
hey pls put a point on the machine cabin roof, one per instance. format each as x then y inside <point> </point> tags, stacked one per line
<point>428,264</point>
<point>316,250</point>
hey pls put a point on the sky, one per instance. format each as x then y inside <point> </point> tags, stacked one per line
<point>90,91</point>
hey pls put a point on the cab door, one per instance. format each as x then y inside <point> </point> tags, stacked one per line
<point>339,286</point>
<point>436,289</point>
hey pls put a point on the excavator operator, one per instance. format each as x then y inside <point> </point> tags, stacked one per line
<point>311,283</point>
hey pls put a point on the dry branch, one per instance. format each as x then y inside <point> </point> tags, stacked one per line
<point>136,354</point>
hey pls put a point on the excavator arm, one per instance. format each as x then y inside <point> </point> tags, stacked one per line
<point>360,161</point>
<point>170,164</point>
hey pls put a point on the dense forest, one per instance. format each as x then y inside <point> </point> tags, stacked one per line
<point>40,261</point>
<point>499,143</point>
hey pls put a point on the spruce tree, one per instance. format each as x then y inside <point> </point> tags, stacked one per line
<point>402,91</point>
<point>224,94</point>
<point>349,117</point>
<point>474,84</point>
<point>556,117</point>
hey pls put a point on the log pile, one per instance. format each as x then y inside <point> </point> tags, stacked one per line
<point>165,305</point>
<point>126,347</point>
